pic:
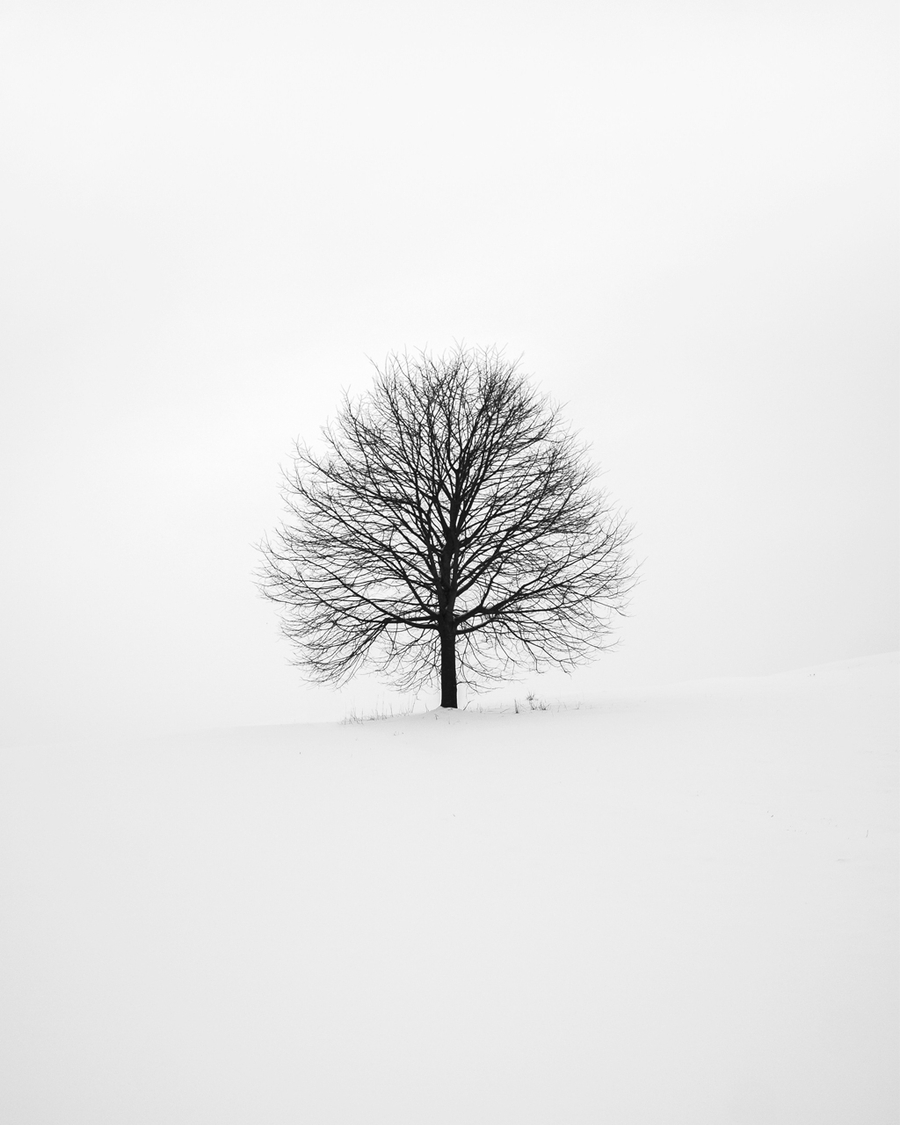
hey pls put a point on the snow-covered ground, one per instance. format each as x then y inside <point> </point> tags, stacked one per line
<point>678,907</point>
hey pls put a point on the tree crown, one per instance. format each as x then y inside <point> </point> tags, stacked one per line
<point>451,505</point>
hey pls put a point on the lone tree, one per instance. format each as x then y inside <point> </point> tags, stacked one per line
<point>451,528</point>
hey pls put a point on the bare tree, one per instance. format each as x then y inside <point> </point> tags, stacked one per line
<point>451,529</point>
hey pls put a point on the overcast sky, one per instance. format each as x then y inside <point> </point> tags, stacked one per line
<point>681,215</point>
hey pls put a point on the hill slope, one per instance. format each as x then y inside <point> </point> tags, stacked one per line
<point>678,907</point>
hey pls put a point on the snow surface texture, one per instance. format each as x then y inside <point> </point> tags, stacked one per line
<point>678,907</point>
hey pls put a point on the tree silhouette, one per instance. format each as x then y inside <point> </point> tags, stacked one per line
<point>451,529</point>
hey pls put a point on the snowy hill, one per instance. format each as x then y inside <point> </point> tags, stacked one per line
<point>677,907</point>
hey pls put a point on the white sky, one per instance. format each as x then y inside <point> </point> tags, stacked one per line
<point>682,216</point>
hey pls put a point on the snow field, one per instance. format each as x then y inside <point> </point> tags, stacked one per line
<point>678,907</point>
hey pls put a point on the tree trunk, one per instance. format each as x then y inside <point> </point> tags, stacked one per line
<point>448,666</point>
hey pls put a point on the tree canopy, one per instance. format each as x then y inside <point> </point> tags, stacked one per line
<point>450,528</point>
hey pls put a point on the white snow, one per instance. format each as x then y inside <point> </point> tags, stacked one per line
<point>677,907</point>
